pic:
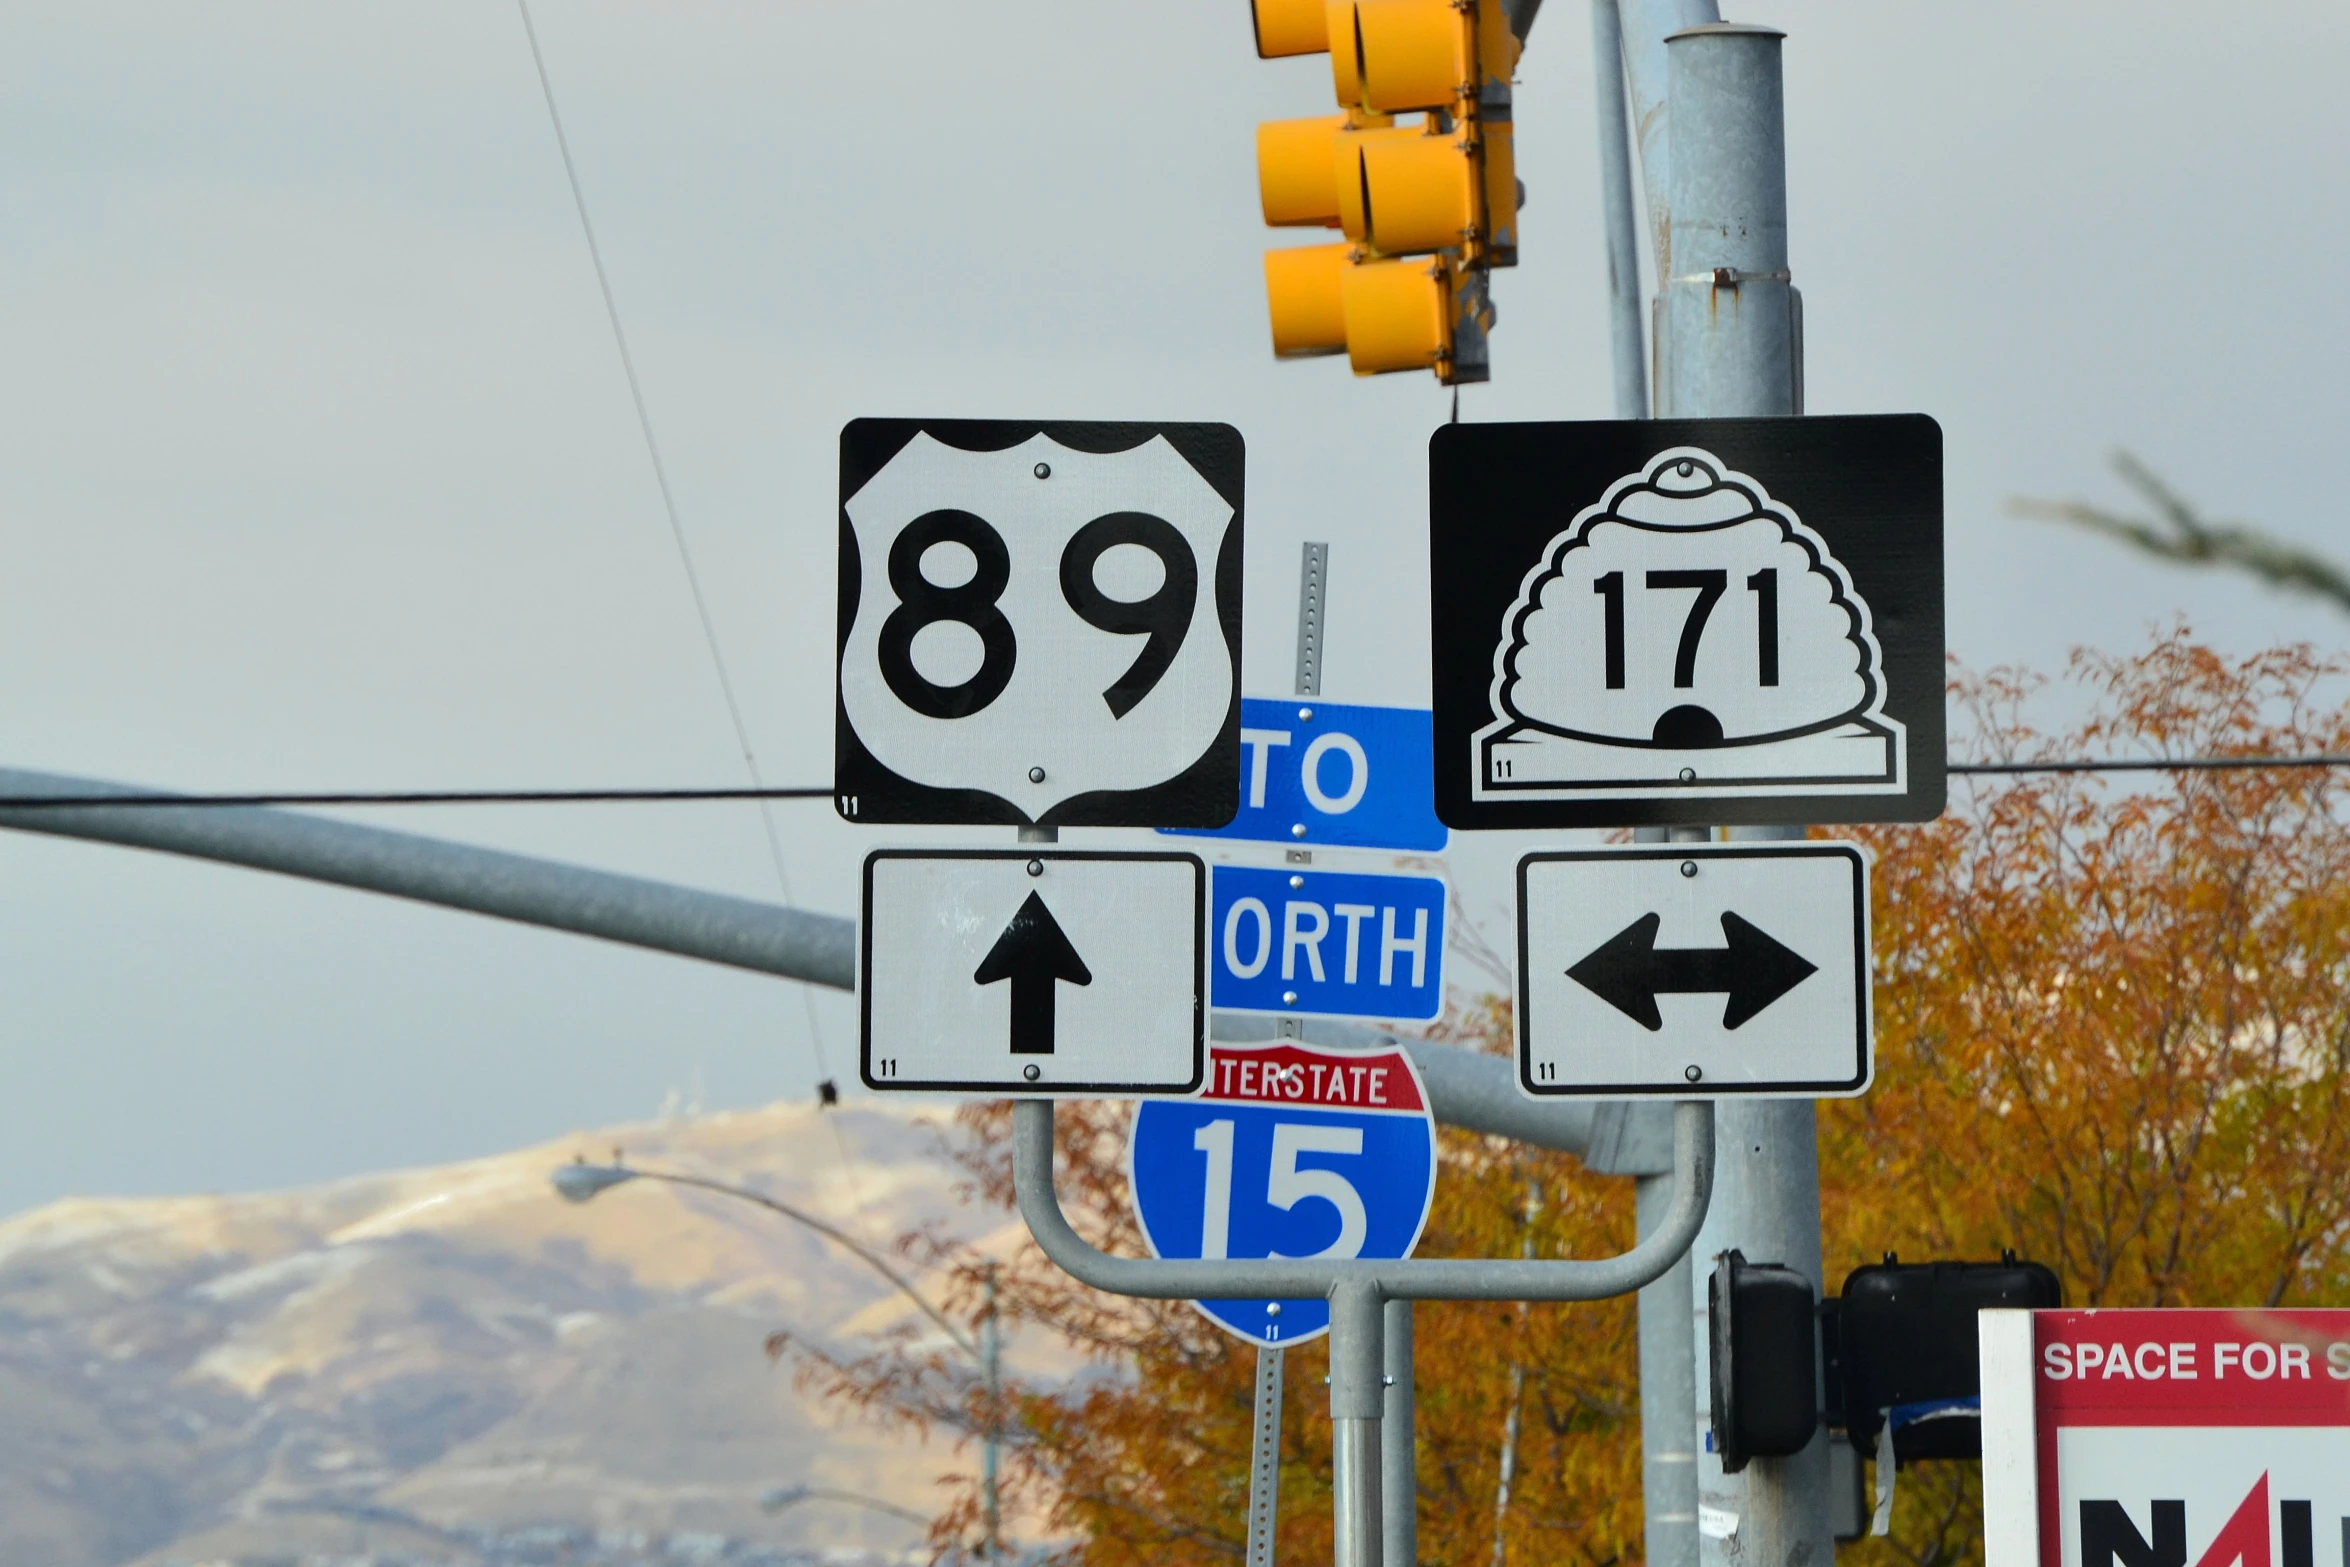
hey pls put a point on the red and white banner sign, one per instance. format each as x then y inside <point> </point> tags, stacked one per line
<point>1311,1076</point>
<point>2177,1438</point>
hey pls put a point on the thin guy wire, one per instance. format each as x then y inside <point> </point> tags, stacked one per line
<point>685,554</point>
<point>420,797</point>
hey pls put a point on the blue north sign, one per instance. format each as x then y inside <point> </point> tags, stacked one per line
<point>1325,943</point>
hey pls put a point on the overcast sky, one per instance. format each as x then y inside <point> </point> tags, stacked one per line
<point>317,468</point>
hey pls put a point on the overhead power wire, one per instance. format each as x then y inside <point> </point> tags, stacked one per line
<point>2152,764</point>
<point>827,1093</point>
<point>766,794</point>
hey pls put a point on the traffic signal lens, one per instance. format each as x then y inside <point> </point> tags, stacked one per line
<point>1296,170</point>
<point>1403,191</point>
<point>1397,315</point>
<point>1399,54</point>
<point>1291,27</point>
<point>1305,293</point>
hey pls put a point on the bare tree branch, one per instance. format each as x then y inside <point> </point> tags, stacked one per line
<point>2177,531</point>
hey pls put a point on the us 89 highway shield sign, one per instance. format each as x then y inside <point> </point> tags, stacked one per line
<point>1039,623</point>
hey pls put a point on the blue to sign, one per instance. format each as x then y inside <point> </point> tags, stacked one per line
<point>1293,1151</point>
<point>1326,943</point>
<point>1315,772</point>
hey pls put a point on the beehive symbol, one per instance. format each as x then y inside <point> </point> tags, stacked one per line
<point>1687,634</point>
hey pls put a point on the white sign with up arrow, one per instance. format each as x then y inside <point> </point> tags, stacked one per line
<point>1035,971</point>
<point>1695,970</point>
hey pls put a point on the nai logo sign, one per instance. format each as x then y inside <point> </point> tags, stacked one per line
<point>2192,1438</point>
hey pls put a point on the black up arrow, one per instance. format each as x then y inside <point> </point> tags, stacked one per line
<point>1032,953</point>
<point>1628,973</point>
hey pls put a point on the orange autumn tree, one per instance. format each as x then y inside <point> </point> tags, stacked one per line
<point>2113,1011</point>
<point>2112,1034</point>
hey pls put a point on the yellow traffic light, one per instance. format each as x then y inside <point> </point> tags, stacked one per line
<point>1287,27</point>
<point>1442,187</point>
<point>1398,315</point>
<point>1304,288</point>
<point>1407,190</point>
<point>1296,179</point>
<point>1402,54</point>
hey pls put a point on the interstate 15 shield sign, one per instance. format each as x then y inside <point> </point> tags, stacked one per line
<point>1294,1150</point>
<point>1039,623</point>
<point>1687,621</point>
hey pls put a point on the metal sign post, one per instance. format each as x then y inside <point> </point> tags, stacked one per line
<point>1729,345</point>
<point>1359,1290</point>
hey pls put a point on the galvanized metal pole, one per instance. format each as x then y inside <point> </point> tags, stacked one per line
<point>1646,25</point>
<point>1728,345</point>
<point>1399,1481</point>
<point>1726,342</point>
<point>1668,1391</point>
<point>1627,342</point>
<point>738,932</point>
<point>1358,1401</point>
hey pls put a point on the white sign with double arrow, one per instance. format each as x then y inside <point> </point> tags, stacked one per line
<point>1043,972</point>
<point>1695,970</point>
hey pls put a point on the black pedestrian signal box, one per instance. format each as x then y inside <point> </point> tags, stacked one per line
<point>1906,1336</point>
<point>1763,1360</point>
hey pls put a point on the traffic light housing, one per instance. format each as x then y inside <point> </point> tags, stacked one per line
<point>1904,1335</point>
<point>1427,206</point>
<point>1763,1360</point>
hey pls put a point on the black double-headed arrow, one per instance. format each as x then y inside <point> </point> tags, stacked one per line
<point>1034,954</point>
<point>1629,973</point>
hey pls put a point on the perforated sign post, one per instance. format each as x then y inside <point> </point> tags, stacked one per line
<point>1687,621</point>
<point>2194,1438</point>
<point>1292,1151</point>
<point>1711,969</point>
<point>1039,623</point>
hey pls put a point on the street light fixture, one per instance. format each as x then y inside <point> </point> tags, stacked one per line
<point>580,1181</point>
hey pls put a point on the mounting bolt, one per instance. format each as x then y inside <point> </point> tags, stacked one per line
<point>1032,1074</point>
<point>1289,998</point>
<point>1297,881</point>
<point>1688,867</point>
<point>1036,867</point>
<point>1693,1073</point>
<point>1689,775</point>
<point>1036,775</point>
<point>1272,1308</point>
<point>1305,715</point>
<point>1044,470</point>
<point>1297,830</point>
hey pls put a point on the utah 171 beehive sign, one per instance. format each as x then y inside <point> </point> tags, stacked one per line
<point>1687,621</point>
